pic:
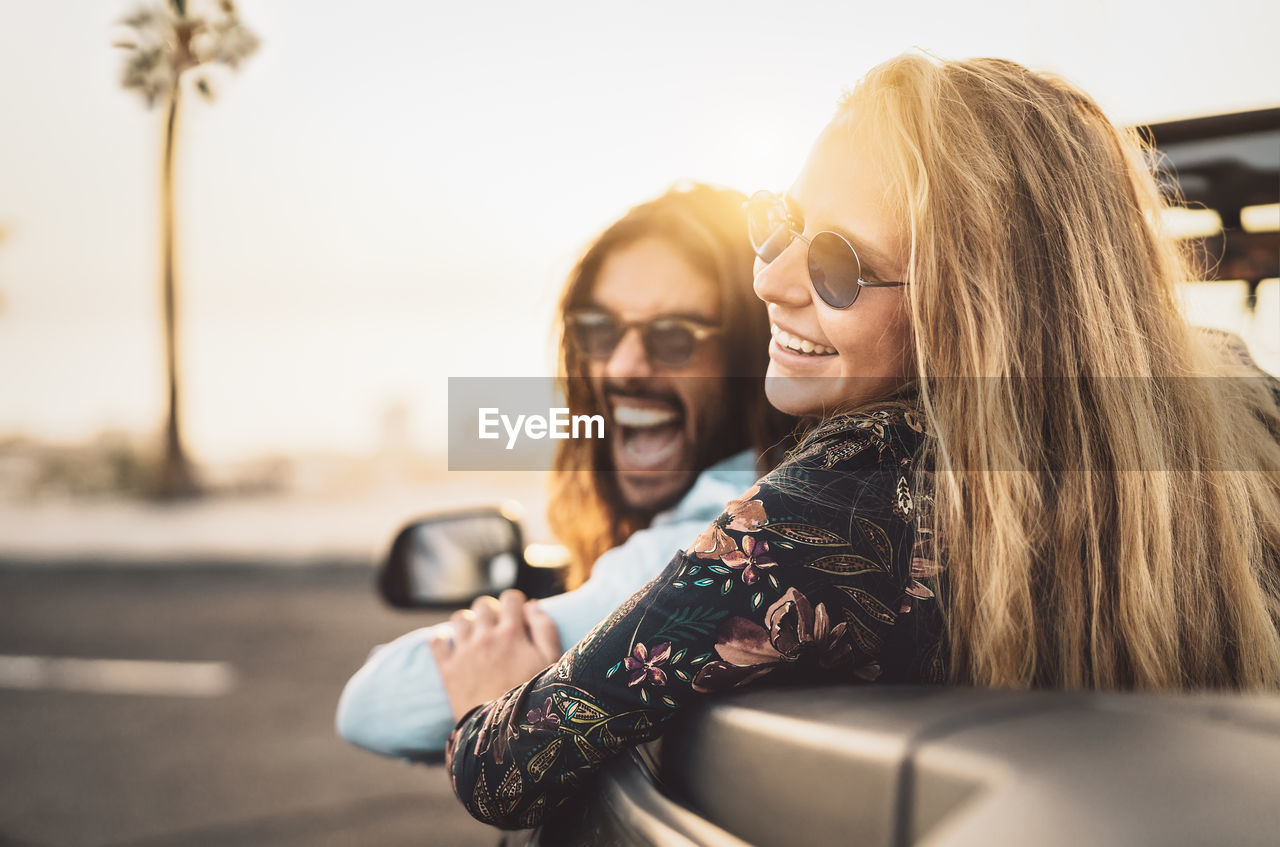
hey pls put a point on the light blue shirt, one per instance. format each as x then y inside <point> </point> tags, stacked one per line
<point>396,704</point>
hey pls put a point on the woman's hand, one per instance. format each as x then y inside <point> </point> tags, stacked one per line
<point>497,644</point>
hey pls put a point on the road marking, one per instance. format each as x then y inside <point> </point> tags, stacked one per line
<point>118,676</point>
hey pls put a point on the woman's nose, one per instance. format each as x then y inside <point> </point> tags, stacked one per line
<point>629,359</point>
<point>785,280</point>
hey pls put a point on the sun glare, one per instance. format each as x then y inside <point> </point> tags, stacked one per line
<point>1265,218</point>
<point>1181,222</point>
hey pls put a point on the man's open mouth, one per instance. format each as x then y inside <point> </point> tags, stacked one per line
<point>648,432</point>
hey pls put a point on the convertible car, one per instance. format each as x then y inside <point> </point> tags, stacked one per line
<point>887,766</point>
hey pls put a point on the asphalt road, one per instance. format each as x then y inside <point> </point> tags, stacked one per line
<point>256,765</point>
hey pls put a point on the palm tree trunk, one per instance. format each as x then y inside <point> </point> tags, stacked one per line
<point>175,478</point>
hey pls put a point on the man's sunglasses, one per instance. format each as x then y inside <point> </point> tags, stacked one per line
<point>834,268</point>
<point>669,342</point>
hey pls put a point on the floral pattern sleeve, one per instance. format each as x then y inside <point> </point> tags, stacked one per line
<point>818,573</point>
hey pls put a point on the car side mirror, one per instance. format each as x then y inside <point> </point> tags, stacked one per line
<point>450,559</point>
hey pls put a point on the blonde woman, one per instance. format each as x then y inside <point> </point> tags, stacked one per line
<point>1029,470</point>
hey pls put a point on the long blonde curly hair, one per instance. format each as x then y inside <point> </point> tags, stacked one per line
<point>1107,487</point>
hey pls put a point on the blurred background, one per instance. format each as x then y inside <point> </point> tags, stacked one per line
<point>364,200</point>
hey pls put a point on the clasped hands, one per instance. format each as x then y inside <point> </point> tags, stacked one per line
<point>497,644</point>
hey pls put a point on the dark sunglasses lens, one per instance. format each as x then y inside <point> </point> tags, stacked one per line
<point>834,270</point>
<point>669,344</point>
<point>767,227</point>
<point>595,336</point>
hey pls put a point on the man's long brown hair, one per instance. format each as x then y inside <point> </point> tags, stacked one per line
<point>1123,529</point>
<point>707,226</point>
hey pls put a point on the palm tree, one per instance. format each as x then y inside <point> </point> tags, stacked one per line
<point>169,42</point>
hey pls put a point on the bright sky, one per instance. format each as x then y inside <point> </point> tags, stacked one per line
<point>391,192</point>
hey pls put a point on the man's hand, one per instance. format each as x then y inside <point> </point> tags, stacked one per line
<point>497,644</point>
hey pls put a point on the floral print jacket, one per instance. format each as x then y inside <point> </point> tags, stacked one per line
<point>822,572</point>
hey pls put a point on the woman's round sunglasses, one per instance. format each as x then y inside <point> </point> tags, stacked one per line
<point>834,268</point>
<point>669,342</point>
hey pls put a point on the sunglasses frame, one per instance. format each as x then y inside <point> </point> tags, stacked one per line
<point>698,330</point>
<point>780,201</point>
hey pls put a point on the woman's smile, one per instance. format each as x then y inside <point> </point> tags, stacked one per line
<point>793,342</point>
